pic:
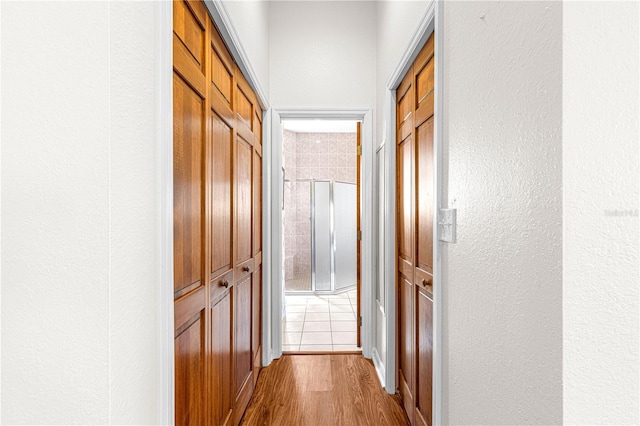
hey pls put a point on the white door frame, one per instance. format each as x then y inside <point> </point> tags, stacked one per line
<point>431,22</point>
<point>274,164</point>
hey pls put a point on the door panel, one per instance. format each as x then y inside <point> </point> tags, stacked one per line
<point>188,135</point>
<point>189,373</point>
<point>322,235</point>
<point>424,195</point>
<point>221,360</point>
<point>242,332</point>
<point>405,343</point>
<point>345,237</point>
<point>189,28</point>
<point>405,200</point>
<point>190,325</point>
<point>221,188</point>
<point>257,202</point>
<point>244,198</point>
<point>256,329</point>
<point>424,342</point>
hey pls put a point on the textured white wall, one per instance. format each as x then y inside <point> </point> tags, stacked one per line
<point>322,54</point>
<point>250,19</point>
<point>503,159</point>
<point>55,200</point>
<point>600,205</point>
<point>79,233</point>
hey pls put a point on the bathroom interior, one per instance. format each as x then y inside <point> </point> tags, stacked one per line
<point>319,236</point>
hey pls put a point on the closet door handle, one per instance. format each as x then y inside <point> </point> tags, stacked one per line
<point>426,282</point>
<point>245,269</point>
<point>224,283</point>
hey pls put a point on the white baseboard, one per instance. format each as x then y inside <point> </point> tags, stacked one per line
<point>378,364</point>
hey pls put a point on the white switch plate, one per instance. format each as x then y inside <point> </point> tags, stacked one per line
<point>447,225</point>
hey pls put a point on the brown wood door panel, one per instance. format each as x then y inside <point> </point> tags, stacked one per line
<point>244,108</point>
<point>188,136</point>
<point>190,386</point>
<point>405,200</point>
<point>243,199</point>
<point>221,141</point>
<point>257,202</point>
<point>221,360</point>
<point>222,74</point>
<point>405,329</point>
<point>256,328</point>
<point>242,304</point>
<point>424,196</point>
<point>424,83</point>
<point>189,27</point>
<point>406,345</point>
<point>424,344</point>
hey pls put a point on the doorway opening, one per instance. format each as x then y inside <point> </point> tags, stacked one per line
<point>320,245</point>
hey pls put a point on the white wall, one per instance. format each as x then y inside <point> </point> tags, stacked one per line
<point>396,23</point>
<point>250,19</point>
<point>600,212</point>
<point>323,54</point>
<point>79,196</point>
<point>502,280</point>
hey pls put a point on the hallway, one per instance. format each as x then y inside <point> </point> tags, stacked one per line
<point>322,390</point>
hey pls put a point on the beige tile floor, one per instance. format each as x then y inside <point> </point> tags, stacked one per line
<point>320,323</point>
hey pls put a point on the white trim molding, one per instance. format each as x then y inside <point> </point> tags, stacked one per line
<point>431,22</point>
<point>165,206</point>
<point>275,172</point>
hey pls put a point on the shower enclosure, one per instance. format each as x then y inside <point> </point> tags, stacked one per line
<point>325,241</point>
<point>333,235</point>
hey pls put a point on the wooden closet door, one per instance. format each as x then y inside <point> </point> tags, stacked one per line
<point>405,239</point>
<point>244,262</point>
<point>189,124</point>
<point>220,213</point>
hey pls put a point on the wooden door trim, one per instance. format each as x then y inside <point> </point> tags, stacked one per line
<point>432,22</point>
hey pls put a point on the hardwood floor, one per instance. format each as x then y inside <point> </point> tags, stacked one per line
<point>322,390</point>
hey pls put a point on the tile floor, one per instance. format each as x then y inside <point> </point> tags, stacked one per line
<point>320,323</point>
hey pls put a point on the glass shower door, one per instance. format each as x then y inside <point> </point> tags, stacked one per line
<point>321,236</point>
<point>345,238</point>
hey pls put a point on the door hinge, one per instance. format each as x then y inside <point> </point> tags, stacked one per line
<point>359,321</point>
<point>359,235</point>
<point>359,150</point>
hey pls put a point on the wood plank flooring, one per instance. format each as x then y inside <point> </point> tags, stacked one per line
<point>322,390</point>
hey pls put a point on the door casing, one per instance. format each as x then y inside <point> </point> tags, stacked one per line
<point>274,163</point>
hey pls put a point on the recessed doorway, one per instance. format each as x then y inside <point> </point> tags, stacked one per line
<point>320,223</point>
